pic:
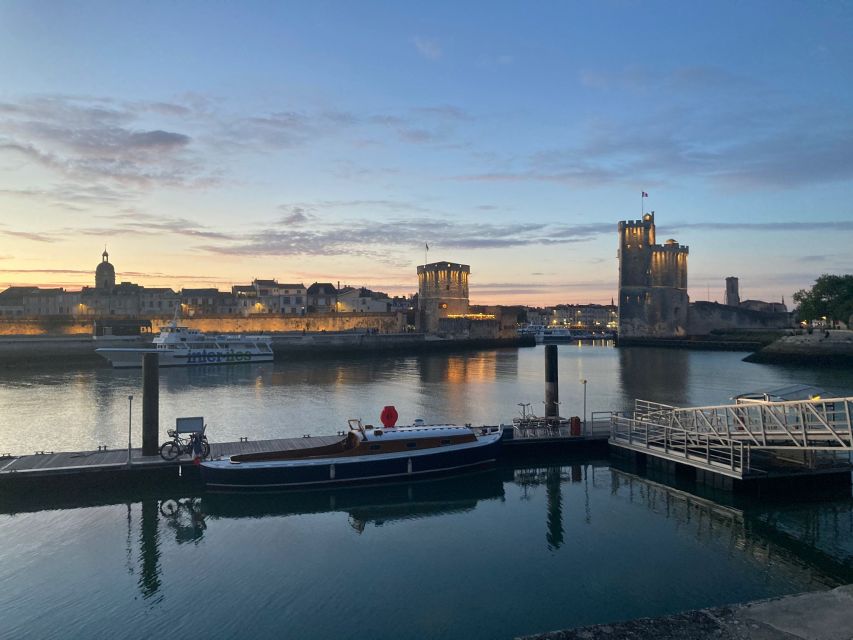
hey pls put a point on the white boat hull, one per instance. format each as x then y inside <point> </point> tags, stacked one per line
<point>132,358</point>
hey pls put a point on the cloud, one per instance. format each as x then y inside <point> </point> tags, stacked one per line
<point>28,235</point>
<point>295,215</point>
<point>427,47</point>
<point>95,139</point>
<point>132,222</point>
<point>392,240</point>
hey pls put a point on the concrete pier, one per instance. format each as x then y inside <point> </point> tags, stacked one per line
<point>824,615</point>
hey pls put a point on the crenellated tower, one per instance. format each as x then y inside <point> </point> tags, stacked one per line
<point>652,282</point>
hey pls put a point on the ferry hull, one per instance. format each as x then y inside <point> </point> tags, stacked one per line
<point>222,474</point>
<point>132,358</point>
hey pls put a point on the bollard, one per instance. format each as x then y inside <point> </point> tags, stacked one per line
<point>552,393</point>
<point>150,404</point>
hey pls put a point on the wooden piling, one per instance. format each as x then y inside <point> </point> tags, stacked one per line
<point>150,404</point>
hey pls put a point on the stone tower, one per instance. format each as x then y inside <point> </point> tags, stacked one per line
<point>732,292</point>
<point>105,274</point>
<point>442,292</point>
<point>652,282</point>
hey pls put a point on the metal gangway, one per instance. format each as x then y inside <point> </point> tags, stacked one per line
<point>730,438</point>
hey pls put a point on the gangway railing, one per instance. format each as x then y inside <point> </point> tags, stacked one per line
<point>726,455</point>
<point>822,424</point>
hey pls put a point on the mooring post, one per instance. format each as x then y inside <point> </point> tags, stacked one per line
<point>150,404</point>
<point>552,393</point>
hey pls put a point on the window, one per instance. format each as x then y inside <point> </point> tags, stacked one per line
<point>411,445</point>
<point>375,447</point>
<point>445,442</point>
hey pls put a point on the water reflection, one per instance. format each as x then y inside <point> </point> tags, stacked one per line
<point>149,550</point>
<point>659,375</point>
<point>762,530</point>
<point>365,506</point>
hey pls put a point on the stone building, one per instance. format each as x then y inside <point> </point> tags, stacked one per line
<point>362,300</point>
<point>322,297</point>
<point>442,292</point>
<point>653,301</point>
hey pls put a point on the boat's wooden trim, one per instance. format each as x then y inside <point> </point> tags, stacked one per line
<point>353,445</point>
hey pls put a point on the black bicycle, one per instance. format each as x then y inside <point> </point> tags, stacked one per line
<point>178,446</point>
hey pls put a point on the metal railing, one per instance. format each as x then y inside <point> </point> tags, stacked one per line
<point>802,424</point>
<point>701,449</point>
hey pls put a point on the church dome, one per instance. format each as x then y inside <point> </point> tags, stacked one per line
<point>105,273</point>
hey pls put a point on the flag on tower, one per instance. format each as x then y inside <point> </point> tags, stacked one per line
<point>426,246</point>
<point>645,195</point>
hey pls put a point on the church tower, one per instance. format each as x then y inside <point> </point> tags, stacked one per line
<point>105,274</point>
<point>652,282</point>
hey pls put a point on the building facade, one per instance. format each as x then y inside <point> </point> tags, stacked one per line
<point>653,301</point>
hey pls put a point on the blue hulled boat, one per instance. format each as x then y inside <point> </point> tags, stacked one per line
<point>364,454</point>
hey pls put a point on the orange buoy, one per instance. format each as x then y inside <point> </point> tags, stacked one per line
<point>389,416</point>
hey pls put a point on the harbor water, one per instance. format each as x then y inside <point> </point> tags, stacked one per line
<point>527,546</point>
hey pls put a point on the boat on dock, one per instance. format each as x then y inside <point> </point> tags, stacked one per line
<point>363,454</point>
<point>180,346</point>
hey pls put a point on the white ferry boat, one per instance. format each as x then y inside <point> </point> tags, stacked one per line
<point>179,346</point>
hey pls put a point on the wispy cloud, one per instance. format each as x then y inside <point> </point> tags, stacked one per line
<point>428,47</point>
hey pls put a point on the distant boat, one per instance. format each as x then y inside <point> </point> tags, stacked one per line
<point>551,334</point>
<point>179,346</point>
<point>364,454</point>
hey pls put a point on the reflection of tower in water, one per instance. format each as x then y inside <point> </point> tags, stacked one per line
<point>658,375</point>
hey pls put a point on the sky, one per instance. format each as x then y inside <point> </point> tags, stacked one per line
<point>209,143</point>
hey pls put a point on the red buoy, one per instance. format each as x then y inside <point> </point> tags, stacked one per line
<point>389,416</point>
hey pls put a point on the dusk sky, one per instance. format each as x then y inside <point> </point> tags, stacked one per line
<point>209,143</point>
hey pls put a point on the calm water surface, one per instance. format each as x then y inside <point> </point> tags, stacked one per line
<point>521,548</point>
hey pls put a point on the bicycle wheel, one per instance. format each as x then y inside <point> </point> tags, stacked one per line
<point>169,451</point>
<point>205,448</point>
<point>169,507</point>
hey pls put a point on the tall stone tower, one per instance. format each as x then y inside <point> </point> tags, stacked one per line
<point>652,282</point>
<point>732,292</point>
<point>442,292</point>
<point>105,274</point>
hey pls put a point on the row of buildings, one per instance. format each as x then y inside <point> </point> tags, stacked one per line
<point>588,317</point>
<point>107,298</point>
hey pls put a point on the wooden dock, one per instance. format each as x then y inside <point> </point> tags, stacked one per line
<point>49,464</point>
<point>97,465</point>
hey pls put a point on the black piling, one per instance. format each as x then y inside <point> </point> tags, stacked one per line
<point>552,392</point>
<point>150,404</point>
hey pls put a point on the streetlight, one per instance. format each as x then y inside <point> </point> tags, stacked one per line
<point>583,382</point>
<point>129,419</point>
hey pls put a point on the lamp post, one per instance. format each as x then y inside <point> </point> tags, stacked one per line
<point>129,422</point>
<point>583,382</point>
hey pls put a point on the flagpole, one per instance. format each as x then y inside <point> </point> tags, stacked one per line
<point>642,204</point>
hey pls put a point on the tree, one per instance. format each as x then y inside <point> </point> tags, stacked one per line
<point>831,297</point>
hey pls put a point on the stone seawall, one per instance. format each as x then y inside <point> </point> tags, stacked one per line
<point>330,322</point>
<point>833,347</point>
<point>41,350</point>
<point>823,615</point>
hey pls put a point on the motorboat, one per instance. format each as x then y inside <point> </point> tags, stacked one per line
<point>364,453</point>
<point>180,346</point>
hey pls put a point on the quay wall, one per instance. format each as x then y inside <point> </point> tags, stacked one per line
<point>15,350</point>
<point>704,318</point>
<point>69,326</point>
<point>806,616</point>
<point>827,347</point>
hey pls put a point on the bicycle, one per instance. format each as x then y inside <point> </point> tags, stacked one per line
<point>177,446</point>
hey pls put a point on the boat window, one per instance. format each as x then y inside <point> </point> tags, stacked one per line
<point>375,447</point>
<point>411,445</point>
<point>445,442</point>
